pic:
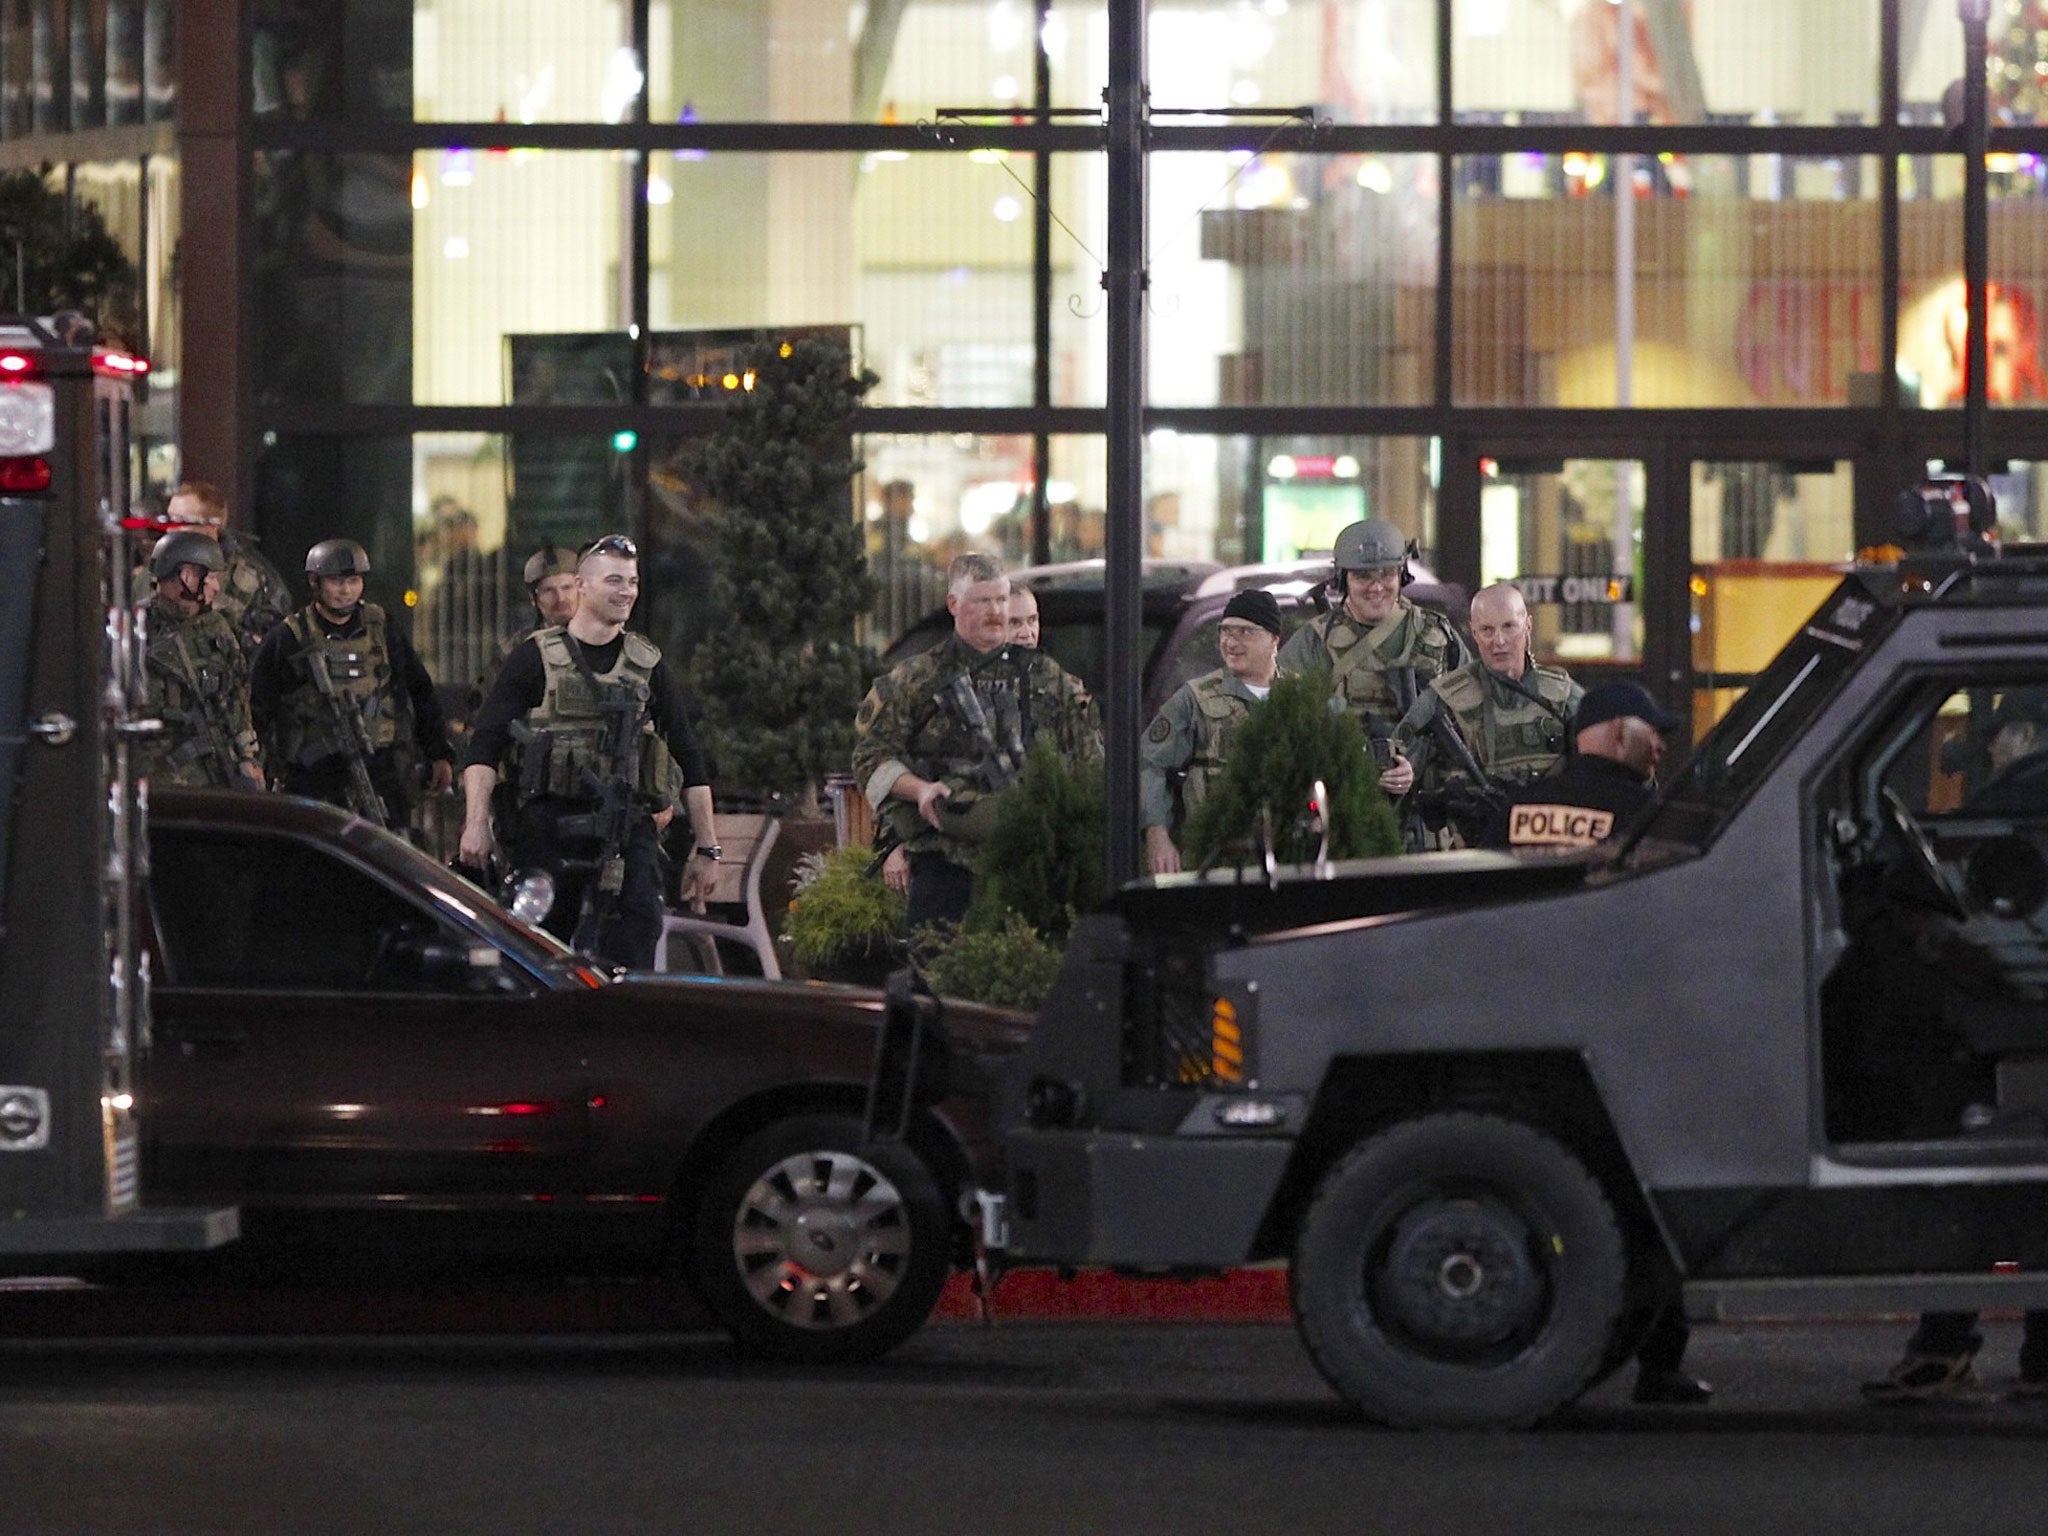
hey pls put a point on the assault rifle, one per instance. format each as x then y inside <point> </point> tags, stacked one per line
<point>347,721</point>
<point>216,741</point>
<point>1001,762</point>
<point>617,810</point>
<point>1466,802</point>
<point>1402,683</point>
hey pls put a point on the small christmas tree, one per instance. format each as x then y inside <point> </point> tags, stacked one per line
<point>1290,741</point>
<point>780,675</point>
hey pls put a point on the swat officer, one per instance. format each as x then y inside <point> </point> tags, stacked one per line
<point>254,597</point>
<point>197,678</point>
<point>1192,732</point>
<point>564,687</point>
<point>938,737</point>
<point>375,676</point>
<point>1379,649</point>
<point>1509,712</point>
<point>550,577</point>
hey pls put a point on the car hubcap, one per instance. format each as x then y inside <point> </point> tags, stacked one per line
<point>1456,1279</point>
<point>822,1239</point>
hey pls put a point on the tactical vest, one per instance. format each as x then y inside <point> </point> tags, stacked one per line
<point>189,677</point>
<point>1515,738</point>
<point>1218,715</point>
<point>1360,659</point>
<point>361,669</point>
<point>571,711</point>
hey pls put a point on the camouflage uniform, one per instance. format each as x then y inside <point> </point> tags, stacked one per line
<point>198,686</point>
<point>1365,665</point>
<point>909,723</point>
<point>1516,729</point>
<point>1192,732</point>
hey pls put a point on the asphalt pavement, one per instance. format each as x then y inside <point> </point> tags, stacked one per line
<point>1027,1428</point>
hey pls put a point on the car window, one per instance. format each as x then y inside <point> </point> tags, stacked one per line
<point>1982,750</point>
<point>248,912</point>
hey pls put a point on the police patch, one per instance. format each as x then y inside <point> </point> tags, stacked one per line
<point>1557,826</point>
<point>1160,729</point>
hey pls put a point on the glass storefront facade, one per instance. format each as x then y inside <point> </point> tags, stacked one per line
<point>1659,293</point>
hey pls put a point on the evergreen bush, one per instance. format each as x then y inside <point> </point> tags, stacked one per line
<point>783,676</point>
<point>67,258</point>
<point>1006,964</point>
<point>1290,741</point>
<point>1043,858</point>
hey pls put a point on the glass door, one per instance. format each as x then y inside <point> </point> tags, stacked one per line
<point>1769,540</point>
<point>1569,534</point>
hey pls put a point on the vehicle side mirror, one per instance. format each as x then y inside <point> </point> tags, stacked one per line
<point>2006,877</point>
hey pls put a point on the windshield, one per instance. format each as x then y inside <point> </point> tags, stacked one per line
<point>1775,711</point>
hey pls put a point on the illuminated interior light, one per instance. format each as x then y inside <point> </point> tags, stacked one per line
<point>1281,466</point>
<point>659,192</point>
<point>455,247</point>
<point>986,156</point>
<point>1007,209</point>
<point>1698,585</point>
<point>1376,176</point>
<point>412,598</point>
<point>784,350</point>
<point>1346,467</point>
<point>458,169</point>
<point>731,381</point>
<point>1245,93</point>
<point>1004,88</point>
<point>419,188</point>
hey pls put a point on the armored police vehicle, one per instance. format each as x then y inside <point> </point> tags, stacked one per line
<point>1785,1051</point>
<point>74,994</point>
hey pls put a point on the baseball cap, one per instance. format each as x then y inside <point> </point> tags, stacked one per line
<point>1618,701</point>
<point>1257,605</point>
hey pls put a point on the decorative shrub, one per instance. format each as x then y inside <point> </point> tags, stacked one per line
<point>1043,859</point>
<point>837,913</point>
<point>781,682</point>
<point>1006,965</point>
<point>1290,741</point>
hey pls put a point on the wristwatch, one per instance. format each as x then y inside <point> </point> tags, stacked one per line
<point>711,851</point>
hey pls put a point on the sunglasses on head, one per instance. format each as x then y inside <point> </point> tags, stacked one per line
<point>611,544</point>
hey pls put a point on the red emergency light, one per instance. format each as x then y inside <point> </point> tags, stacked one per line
<point>16,365</point>
<point>114,365</point>
<point>24,476</point>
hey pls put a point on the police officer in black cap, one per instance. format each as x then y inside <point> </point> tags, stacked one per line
<point>377,674</point>
<point>1618,745</point>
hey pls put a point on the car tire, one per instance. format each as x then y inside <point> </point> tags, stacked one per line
<point>1459,1270</point>
<point>808,1247</point>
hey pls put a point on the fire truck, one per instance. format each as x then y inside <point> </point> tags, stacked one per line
<point>74,980</point>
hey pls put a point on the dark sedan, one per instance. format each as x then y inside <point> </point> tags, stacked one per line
<point>393,1076</point>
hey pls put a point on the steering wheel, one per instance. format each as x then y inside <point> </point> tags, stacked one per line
<point>1921,847</point>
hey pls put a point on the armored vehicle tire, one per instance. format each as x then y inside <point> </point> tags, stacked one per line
<point>808,1247</point>
<point>1459,1270</point>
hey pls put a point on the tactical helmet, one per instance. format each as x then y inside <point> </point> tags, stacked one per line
<point>176,549</point>
<point>1369,545</point>
<point>550,560</point>
<point>337,557</point>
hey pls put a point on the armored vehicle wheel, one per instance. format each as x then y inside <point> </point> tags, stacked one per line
<point>807,1247</point>
<point>1459,1270</point>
